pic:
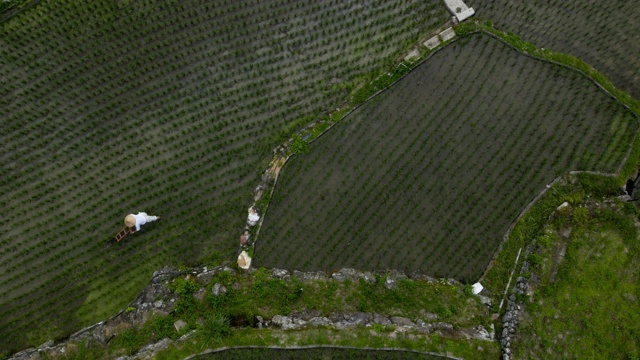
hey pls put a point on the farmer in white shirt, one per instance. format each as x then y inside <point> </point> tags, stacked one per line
<point>138,220</point>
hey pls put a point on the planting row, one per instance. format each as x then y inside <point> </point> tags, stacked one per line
<point>173,109</point>
<point>602,33</point>
<point>429,175</point>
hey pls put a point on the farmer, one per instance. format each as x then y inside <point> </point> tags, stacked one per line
<point>138,220</point>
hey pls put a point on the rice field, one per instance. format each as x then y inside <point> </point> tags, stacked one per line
<point>428,176</point>
<point>173,108</point>
<point>603,33</point>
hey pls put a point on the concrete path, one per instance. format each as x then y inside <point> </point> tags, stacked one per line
<point>459,9</point>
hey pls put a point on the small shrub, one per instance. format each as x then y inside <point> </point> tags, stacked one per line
<point>575,198</point>
<point>184,286</point>
<point>444,312</point>
<point>130,340</point>
<point>299,146</point>
<point>545,240</point>
<point>216,328</point>
<point>465,28</point>
<point>580,216</point>
<point>379,328</point>
<point>521,298</point>
<point>163,328</point>
<point>535,259</point>
<point>629,209</point>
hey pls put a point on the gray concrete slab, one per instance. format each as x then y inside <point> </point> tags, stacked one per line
<point>432,43</point>
<point>459,9</point>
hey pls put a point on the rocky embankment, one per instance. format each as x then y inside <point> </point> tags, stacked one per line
<point>158,299</point>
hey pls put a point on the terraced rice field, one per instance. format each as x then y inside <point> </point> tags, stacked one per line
<point>429,175</point>
<point>171,108</point>
<point>603,33</point>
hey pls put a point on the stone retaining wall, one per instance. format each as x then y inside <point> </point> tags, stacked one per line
<point>157,298</point>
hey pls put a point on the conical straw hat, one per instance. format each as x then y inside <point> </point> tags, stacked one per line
<point>130,220</point>
<point>242,262</point>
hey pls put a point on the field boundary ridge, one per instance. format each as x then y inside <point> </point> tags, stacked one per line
<point>628,165</point>
<point>305,347</point>
<point>298,143</point>
<point>14,7</point>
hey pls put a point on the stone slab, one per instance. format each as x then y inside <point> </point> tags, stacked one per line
<point>459,9</point>
<point>447,34</point>
<point>412,56</point>
<point>432,43</point>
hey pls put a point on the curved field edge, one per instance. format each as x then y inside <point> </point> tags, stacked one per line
<point>527,227</point>
<point>602,33</point>
<point>620,155</point>
<point>437,347</point>
<point>360,92</point>
<point>299,142</point>
<point>574,185</point>
<point>568,60</point>
<point>532,218</point>
<point>599,184</point>
<point>315,351</point>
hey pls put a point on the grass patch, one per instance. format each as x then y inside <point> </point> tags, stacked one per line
<point>592,305</point>
<point>227,320</point>
<point>263,295</point>
<point>526,229</point>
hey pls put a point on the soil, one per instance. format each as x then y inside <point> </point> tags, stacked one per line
<point>559,252</point>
